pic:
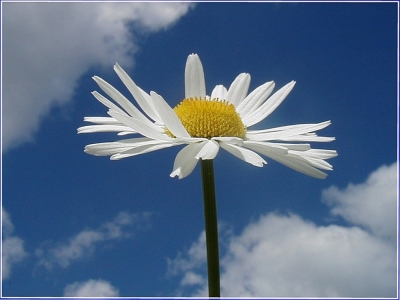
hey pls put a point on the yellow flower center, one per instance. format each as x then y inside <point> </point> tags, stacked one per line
<point>209,118</point>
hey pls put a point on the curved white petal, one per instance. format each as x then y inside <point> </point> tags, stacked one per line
<point>320,153</point>
<point>109,148</point>
<point>238,89</point>
<point>295,129</point>
<point>219,92</point>
<point>298,147</point>
<point>185,161</point>
<point>152,132</point>
<point>209,150</point>
<point>255,99</point>
<point>168,116</point>
<point>298,164</point>
<point>156,117</point>
<point>318,163</point>
<point>103,100</point>
<point>195,85</point>
<point>121,100</point>
<point>266,148</point>
<point>136,93</point>
<point>299,132</point>
<point>103,149</point>
<point>141,150</point>
<point>244,154</point>
<point>269,106</point>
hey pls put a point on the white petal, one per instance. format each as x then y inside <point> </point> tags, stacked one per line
<point>126,132</point>
<point>110,148</point>
<point>298,164</point>
<point>105,149</point>
<point>219,92</point>
<point>244,154</point>
<point>103,100</point>
<point>156,116</point>
<point>318,163</point>
<point>185,161</point>
<point>101,120</point>
<point>136,92</point>
<point>104,128</point>
<point>266,148</point>
<point>121,100</point>
<point>255,99</point>
<point>298,128</point>
<point>315,157</point>
<point>295,129</point>
<point>269,106</point>
<point>141,150</point>
<point>320,153</point>
<point>150,131</point>
<point>168,116</point>
<point>308,138</point>
<point>299,132</point>
<point>298,147</point>
<point>238,89</point>
<point>195,85</point>
<point>209,150</point>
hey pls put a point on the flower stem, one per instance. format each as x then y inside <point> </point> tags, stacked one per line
<point>210,215</point>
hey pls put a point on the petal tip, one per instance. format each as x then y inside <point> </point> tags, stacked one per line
<point>176,173</point>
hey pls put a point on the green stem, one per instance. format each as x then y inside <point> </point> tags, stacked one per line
<point>210,215</point>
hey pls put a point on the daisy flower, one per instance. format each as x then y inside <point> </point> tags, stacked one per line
<point>206,123</point>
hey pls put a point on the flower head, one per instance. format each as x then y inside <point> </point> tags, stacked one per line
<point>205,124</point>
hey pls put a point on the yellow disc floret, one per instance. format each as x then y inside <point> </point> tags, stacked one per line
<point>209,118</point>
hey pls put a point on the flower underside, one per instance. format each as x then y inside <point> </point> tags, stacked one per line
<point>209,118</point>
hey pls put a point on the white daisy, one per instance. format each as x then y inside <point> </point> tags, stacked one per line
<point>206,123</point>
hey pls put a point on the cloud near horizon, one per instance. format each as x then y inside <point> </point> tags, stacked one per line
<point>288,256</point>
<point>91,288</point>
<point>47,47</point>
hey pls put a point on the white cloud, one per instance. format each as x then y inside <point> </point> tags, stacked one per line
<point>48,46</point>
<point>371,204</point>
<point>90,288</point>
<point>84,243</point>
<point>197,256</point>
<point>287,256</point>
<point>12,246</point>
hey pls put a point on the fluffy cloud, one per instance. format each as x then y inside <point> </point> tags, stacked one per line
<point>287,256</point>
<point>12,246</point>
<point>84,243</point>
<point>90,288</point>
<point>371,204</point>
<point>48,46</point>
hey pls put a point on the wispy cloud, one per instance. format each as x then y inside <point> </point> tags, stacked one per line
<point>287,256</point>
<point>194,258</point>
<point>47,47</point>
<point>13,251</point>
<point>85,242</point>
<point>91,288</point>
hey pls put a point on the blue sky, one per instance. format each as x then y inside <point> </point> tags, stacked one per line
<point>80,225</point>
